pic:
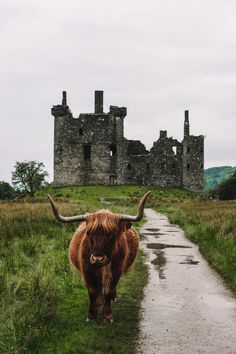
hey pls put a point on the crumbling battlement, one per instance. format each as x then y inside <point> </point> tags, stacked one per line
<point>92,150</point>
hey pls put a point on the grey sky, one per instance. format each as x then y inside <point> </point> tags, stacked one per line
<point>157,57</point>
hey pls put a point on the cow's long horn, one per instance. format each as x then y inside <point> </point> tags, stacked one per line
<point>65,219</point>
<point>139,216</point>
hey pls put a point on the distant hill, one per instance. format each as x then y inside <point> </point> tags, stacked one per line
<point>215,175</point>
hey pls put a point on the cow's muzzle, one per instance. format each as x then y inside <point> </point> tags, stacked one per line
<point>98,260</point>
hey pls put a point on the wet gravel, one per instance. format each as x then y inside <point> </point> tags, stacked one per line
<point>186,307</point>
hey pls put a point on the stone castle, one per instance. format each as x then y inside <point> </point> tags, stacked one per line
<point>92,149</point>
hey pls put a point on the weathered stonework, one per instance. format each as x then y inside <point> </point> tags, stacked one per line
<point>92,149</point>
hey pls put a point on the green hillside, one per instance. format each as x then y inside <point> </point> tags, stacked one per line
<point>215,175</point>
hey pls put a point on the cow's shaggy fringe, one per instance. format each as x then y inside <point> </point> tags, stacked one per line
<point>103,220</point>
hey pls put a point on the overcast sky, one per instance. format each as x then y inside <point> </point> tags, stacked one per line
<point>157,57</point>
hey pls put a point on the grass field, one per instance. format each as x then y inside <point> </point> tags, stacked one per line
<point>44,304</point>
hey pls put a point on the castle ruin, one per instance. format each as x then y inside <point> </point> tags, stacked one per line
<point>92,149</point>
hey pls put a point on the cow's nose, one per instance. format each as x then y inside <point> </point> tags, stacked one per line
<point>97,258</point>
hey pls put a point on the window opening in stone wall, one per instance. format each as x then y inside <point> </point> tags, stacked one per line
<point>129,167</point>
<point>173,165</point>
<point>147,167</point>
<point>87,152</point>
<point>80,131</point>
<point>113,150</point>
<point>201,165</point>
<point>188,150</point>
<point>174,149</point>
<point>188,166</point>
<point>201,149</point>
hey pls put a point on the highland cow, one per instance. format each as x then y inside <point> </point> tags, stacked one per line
<point>102,249</point>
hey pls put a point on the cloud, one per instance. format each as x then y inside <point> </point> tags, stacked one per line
<point>158,58</point>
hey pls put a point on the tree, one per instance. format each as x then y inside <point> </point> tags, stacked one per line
<point>227,189</point>
<point>29,176</point>
<point>6,191</point>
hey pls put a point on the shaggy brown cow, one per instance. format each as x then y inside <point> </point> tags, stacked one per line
<point>102,249</point>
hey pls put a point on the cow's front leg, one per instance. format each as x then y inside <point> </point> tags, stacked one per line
<point>96,300</point>
<point>92,312</point>
<point>109,286</point>
<point>95,295</point>
<point>109,297</point>
<point>107,308</point>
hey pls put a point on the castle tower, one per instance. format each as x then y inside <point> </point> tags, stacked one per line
<point>193,159</point>
<point>89,149</point>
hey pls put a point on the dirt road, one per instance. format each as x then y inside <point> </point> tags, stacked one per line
<point>186,307</point>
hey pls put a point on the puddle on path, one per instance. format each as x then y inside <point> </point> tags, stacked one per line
<point>158,246</point>
<point>189,260</point>
<point>159,262</point>
<point>150,233</point>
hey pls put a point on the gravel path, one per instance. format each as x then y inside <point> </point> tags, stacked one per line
<point>186,307</point>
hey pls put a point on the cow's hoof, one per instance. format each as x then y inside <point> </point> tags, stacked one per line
<point>89,319</point>
<point>108,319</point>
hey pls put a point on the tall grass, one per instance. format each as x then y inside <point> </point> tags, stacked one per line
<point>33,257</point>
<point>40,296</point>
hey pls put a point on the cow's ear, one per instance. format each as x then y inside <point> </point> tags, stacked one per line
<point>124,225</point>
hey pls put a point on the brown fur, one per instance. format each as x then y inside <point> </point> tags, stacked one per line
<point>104,234</point>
